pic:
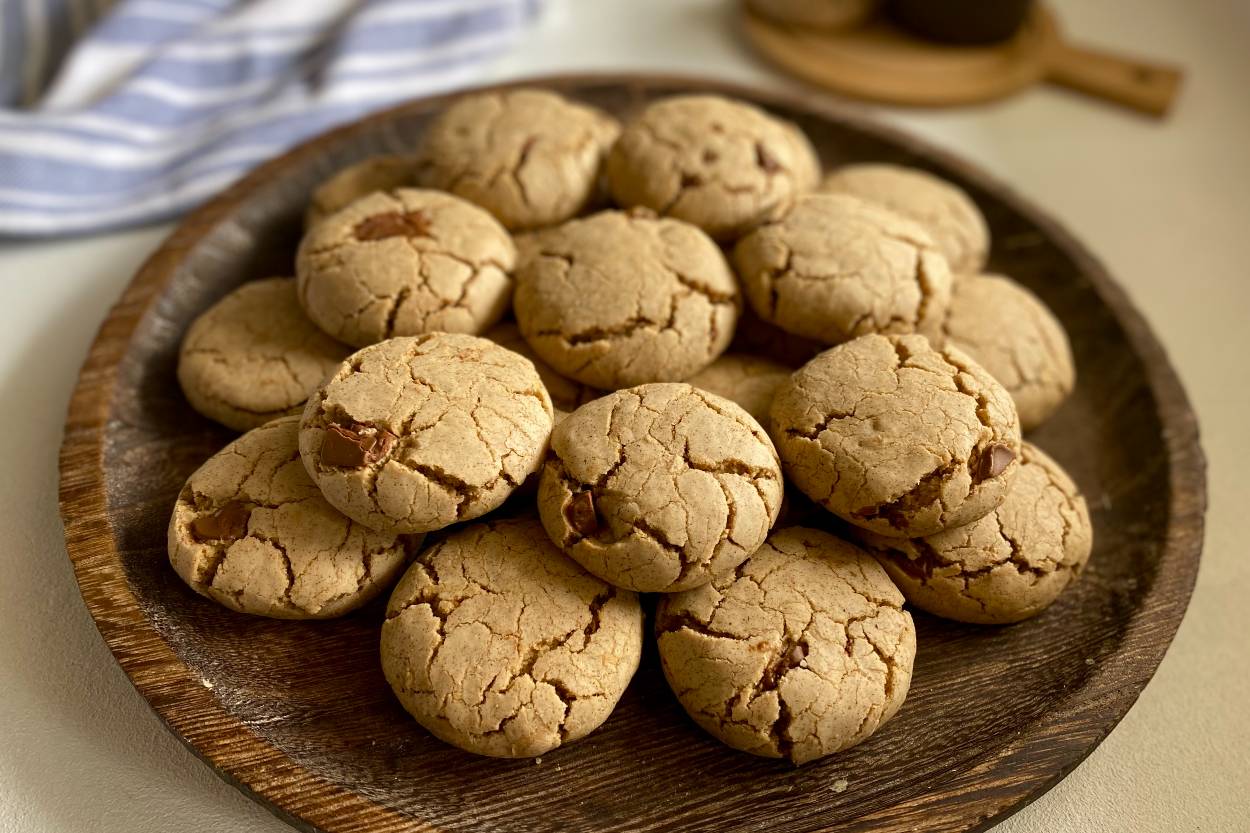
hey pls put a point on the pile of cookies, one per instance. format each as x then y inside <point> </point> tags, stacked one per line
<point>511,405</point>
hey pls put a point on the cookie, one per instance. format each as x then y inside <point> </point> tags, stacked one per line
<point>659,488</point>
<point>375,173</point>
<point>748,381</point>
<point>942,208</point>
<point>803,652</point>
<point>251,531</point>
<point>723,165</point>
<point>254,356</point>
<point>818,14</point>
<point>1005,567</point>
<point>896,436</point>
<point>529,157</point>
<point>621,299</point>
<point>836,267</point>
<point>1012,334</point>
<point>404,262</point>
<point>498,644</point>
<point>417,433</point>
<point>566,395</point>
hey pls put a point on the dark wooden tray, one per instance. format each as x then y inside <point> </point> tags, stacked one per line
<point>298,715</point>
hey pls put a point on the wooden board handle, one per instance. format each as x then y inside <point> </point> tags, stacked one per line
<point>1141,85</point>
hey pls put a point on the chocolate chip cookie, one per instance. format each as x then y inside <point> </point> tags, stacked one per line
<point>722,165</point>
<point>1012,334</point>
<point>1005,567</point>
<point>498,644</point>
<point>254,356</point>
<point>804,651</point>
<point>529,157</point>
<point>942,208</point>
<point>417,433</point>
<point>896,436</point>
<point>659,488</point>
<point>403,262</point>
<point>620,299</point>
<point>251,531</point>
<point>835,267</point>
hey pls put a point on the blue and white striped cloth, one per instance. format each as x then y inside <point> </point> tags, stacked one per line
<point>115,113</point>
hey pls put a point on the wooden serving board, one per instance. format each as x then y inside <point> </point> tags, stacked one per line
<point>298,715</point>
<point>878,61</point>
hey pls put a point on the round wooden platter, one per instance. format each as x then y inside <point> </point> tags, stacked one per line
<point>298,715</point>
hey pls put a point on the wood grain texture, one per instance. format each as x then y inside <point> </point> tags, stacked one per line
<point>299,716</point>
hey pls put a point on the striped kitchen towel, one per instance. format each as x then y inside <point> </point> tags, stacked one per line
<point>119,113</point>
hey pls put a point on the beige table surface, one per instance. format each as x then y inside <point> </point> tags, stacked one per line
<point>1166,205</point>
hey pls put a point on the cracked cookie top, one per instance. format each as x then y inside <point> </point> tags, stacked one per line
<point>804,651</point>
<point>723,165</point>
<point>498,644</point>
<point>620,299</point>
<point>404,262</point>
<point>375,173</point>
<point>417,433</point>
<point>1005,567</point>
<point>254,356</point>
<point>748,381</point>
<point>567,395</point>
<point>1012,334</point>
<point>836,267</point>
<point>529,157</point>
<point>251,531</point>
<point>896,436</point>
<point>943,209</point>
<point>660,488</point>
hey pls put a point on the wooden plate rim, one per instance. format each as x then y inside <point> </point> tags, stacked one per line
<point>308,802</point>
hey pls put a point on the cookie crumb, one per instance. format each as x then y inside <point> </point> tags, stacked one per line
<point>840,785</point>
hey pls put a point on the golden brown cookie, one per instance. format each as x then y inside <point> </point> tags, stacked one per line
<point>942,208</point>
<point>748,381</point>
<point>397,263</point>
<point>251,531</point>
<point>417,433</point>
<point>659,488</point>
<point>254,356</point>
<point>620,299</point>
<point>723,165</point>
<point>896,436</point>
<point>803,652</point>
<point>498,644</point>
<point>836,267</point>
<point>1005,567</point>
<point>567,395</point>
<point>375,173</point>
<point>1012,334</point>
<point>529,157</point>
